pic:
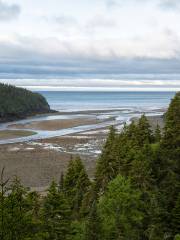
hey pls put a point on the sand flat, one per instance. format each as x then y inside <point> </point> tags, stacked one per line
<point>53,125</point>
<point>10,134</point>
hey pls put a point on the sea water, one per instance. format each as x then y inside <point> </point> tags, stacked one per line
<point>81,101</point>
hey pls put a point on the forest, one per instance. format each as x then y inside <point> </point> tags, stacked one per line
<point>134,195</point>
<point>19,103</point>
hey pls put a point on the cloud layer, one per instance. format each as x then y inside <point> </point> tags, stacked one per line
<point>8,11</point>
<point>98,39</point>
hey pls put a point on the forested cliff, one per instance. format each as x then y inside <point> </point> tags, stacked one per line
<point>19,103</point>
<point>135,194</point>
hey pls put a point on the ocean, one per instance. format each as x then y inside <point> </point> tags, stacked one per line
<point>80,101</point>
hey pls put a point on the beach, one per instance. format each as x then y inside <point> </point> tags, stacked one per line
<point>38,162</point>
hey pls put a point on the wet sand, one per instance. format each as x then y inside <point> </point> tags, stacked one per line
<point>9,134</point>
<point>38,162</point>
<point>52,125</point>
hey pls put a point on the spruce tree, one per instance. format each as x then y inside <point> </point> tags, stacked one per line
<point>144,132</point>
<point>19,219</point>
<point>93,224</point>
<point>170,165</point>
<point>107,168</point>
<point>56,215</point>
<point>119,210</point>
<point>157,134</point>
<point>3,207</point>
<point>176,216</point>
<point>76,184</point>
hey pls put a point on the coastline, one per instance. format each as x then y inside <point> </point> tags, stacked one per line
<point>38,162</point>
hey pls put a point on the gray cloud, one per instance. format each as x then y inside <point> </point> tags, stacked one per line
<point>162,4</point>
<point>8,11</point>
<point>65,20</point>
<point>169,4</point>
<point>100,22</point>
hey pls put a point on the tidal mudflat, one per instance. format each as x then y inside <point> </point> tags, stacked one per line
<point>38,161</point>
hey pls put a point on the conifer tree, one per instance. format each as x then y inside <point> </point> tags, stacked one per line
<point>119,210</point>
<point>93,224</point>
<point>176,217</point>
<point>169,155</point>
<point>107,168</point>
<point>56,215</point>
<point>157,134</point>
<point>144,132</point>
<point>19,219</point>
<point>76,184</point>
<point>3,207</point>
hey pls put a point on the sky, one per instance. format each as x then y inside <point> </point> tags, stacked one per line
<point>97,44</point>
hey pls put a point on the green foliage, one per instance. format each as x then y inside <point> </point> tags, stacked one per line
<point>119,209</point>
<point>76,185</point>
<point>93,224</point>
<point>157,134</point>
<point>176,216</point>
<point>177,237</point>
<point>135,193</point>
<point>106,166</point>
<point>56,214</point>
<point>17,102</point>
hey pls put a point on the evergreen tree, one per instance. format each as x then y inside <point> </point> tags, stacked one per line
<point>176,216</point>
<point>169,155</point>
<point>3,207</point>
<point>76,184</point>
<point>56,215</point>
<point>144,132</point>
<point>119,210</point>
<point>157,134</point>
<point>19,219</point>
<point>93,224</point>
<point>107,168</point>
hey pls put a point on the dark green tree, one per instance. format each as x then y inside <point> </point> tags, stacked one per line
<point>3,206</point>
<point>176,216</point>
<point>93,224</point>
<point>144,132</point>
<point>56,215</point>
<point>107,168</point>
<point>19,219</point>
<point>157,134</point>
<point>120,210</point>
<point>76,185</point>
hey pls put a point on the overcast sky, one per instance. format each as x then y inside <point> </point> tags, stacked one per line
<point>118,44</point>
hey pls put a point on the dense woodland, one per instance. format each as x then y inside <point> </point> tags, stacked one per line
<point>135,194</point>
<point>18,103</point>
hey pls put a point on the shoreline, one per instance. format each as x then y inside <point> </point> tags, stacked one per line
<point>37,162</point>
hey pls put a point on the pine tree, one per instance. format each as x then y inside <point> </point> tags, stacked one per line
<point>144,132</point>
<point>56,214</point>
<point>176,216</point>
<point>119,210</point>
<point>169,155</point>
<point>107,167</point>
<point>19,219</point>
<point>3,207</point>
<point>157,134</point>
<point>76,184</point>
<point>93,224</point>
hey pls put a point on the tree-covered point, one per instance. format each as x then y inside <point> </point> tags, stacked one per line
<point>18,103</point>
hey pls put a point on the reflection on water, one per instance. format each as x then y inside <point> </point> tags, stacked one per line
<point>116,117</point>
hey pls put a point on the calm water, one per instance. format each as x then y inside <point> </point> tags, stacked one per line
<point>72,101</point>
<point>125,104</point>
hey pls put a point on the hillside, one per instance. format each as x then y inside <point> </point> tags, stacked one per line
<point>134,195</point>
<point>18,103</point>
